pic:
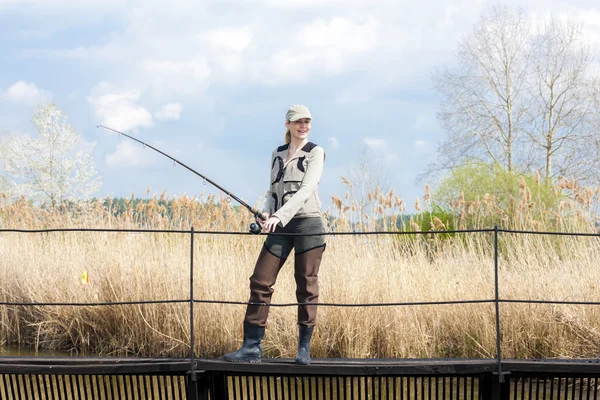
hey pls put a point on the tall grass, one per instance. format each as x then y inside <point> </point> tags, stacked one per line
<point>47,267</point>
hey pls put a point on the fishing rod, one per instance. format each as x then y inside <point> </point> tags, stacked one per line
<point>254,227</point>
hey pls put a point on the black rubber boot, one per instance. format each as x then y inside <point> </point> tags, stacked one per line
<point>251,350</point>
<point>304,336</point>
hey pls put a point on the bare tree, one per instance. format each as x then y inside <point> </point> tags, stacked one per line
<point>482,107</point>
<point>519,97</point>
<point>561,108</point>
<point>44,168</point>
<point>591,152</point>
<point>4,186</point>
<point>367,176</point>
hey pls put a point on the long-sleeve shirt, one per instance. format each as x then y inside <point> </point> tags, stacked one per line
<point>293,185</point>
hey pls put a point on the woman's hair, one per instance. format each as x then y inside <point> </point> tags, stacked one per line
<point>288,137</point>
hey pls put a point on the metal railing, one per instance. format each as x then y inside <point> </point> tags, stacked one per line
<point>192,380</point>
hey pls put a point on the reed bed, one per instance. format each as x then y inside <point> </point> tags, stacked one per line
<point>47,267</point>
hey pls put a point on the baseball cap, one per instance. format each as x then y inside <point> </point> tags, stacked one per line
<point>297,112</point>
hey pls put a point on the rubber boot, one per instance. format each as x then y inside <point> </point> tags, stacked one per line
<point>251,350</point>
<point>304,336</point>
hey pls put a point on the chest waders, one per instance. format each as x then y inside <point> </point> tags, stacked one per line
<point>307,259</point>
<point>286,180</point>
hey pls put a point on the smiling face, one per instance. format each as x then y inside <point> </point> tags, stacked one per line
<point>299,129</point>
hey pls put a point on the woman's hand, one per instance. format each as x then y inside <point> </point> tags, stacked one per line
<point>264,216</point>
<point>270,224</point>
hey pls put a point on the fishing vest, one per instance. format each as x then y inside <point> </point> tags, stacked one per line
<point>293,189</point>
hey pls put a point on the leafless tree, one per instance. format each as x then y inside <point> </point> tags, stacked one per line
<point>520,96</point>
<point>4,184</point>
<point>483,107</point>
<point>561,107</point>
<point>368,175</point>
<point>593,145</point>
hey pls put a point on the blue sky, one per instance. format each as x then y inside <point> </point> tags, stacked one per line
<point>209,82</point>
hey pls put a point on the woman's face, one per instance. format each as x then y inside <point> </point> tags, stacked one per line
<point>299,129</point>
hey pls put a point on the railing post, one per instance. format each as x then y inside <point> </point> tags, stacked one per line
<point>192,386</point>
<point>492,389</point>
<point>497,304</point>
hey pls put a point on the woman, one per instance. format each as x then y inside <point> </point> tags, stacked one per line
<point>292,206</point>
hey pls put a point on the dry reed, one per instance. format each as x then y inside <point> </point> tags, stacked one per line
<point>47,267</point>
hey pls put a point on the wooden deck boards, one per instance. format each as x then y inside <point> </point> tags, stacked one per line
<point>341,367</point>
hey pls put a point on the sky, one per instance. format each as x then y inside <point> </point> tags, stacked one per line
<point>209,82</point>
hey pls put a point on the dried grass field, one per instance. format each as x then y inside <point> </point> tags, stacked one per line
<point>121,266</point>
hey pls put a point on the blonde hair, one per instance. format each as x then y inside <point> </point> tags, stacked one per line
<point>287,137</point>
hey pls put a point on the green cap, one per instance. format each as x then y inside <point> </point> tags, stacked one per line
<point>297,112</point>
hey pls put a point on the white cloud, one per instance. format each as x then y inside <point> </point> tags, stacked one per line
<point>380,145</point>
<point>57,3</point>
<point>85,146</point>
<point>230,39</point>
<point>168,76</point>
<point>333,142</point>
<point>288,66</point>
<point>23,92</point>
<point>273,41</point>
<point>129,153</point>
<point>267,41</point>
<point>426,122</point>
<point>231,64</point>
<point>196,68</point>
<point>341,34</point>
<point>375,143</point>
<point>324,46</point>
<point>171,111</point>
<point>356,94</point>
<point>119,109</point>
<point>423,146</point>
<point>298,3</point>
<point>390,157</point>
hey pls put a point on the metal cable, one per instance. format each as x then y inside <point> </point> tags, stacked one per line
<point>229,302</point>
<point>237,233</point>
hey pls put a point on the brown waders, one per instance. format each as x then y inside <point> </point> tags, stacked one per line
<point>276,249</point>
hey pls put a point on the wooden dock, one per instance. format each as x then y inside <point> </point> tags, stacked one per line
<point>107,378</point>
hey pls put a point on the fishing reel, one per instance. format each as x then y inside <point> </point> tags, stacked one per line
<point>255,227</point>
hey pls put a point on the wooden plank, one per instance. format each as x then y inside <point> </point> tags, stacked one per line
<point>86,360</point>
<point>177,368</point>
<point>323,367</point>
<point>546,367</point>
<point>353,367</point>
